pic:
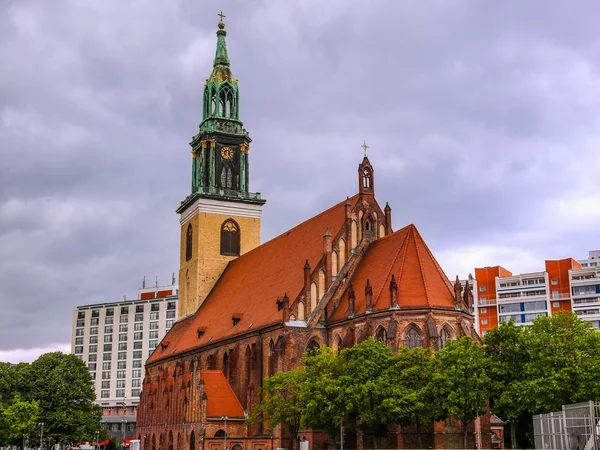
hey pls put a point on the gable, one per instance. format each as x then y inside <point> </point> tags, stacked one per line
<point>421,281</point>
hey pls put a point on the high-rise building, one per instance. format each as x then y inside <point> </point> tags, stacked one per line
<point>585,288</point>
<point>593,259</point>
<point>565,285</point>
<point>114,339</point>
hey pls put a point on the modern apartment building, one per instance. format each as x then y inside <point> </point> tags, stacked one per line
<point>593,259</point>
<point>585,286</point>
<point>563,286</point>
<point>115,339</point>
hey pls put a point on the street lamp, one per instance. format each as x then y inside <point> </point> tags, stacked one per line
<point>41,425</point>
<point>124,428</point>
<point>225,439</point>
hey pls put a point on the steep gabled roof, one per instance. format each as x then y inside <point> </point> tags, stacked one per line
<point>420,279</point>
<point>251,283</point>
<point>222,401</point>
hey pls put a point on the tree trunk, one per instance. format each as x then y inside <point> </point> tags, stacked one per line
<point>465,433</point>
<point>419,438</point>
<point>513,434</point>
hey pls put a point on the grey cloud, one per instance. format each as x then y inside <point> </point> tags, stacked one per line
<point>477,115</point>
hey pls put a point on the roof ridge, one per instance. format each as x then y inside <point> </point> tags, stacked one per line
<point>391,265</point>
<point>403,256</point>
<point>412,229</point>
<point>440,271</point>
<point>294,227</point>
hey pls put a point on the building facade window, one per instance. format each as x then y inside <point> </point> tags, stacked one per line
<point>139,317</point>
<point>122,337</point>
<point>189,236</point>
<point>104,394</point>
<point>120,392</point>
<point>108,320</point>
<point>93,349</point>
<point>93,330</point>
<point>138,335</point>
<point>136,373</point>
<point>230,238</point>
<point>95,321</point>
<point>106,365</point>
<point>154,325</point>
<point>107,348</point>
<point>106,356</point>
<point>79,332</point>
<point>123,328</point>
<point>93,339</point>
<point>137,364</point>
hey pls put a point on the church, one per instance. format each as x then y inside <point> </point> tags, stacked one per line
<point>248,310</point>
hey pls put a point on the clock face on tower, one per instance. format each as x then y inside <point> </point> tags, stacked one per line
<point>227,153</point>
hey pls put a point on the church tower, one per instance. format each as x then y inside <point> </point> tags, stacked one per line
<point>220,219</point>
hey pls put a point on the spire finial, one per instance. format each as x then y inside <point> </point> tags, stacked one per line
<point>365,147</point>
<point>221,15</point>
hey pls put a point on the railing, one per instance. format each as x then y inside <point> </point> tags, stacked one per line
<point>575,427</point>
<point>560,296</point>
<point>487,301</point>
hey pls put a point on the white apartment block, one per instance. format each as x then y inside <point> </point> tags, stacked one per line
<point>585,290</point>
<point>522,297</point>
<point>114,340</point>
<point>592,261</point>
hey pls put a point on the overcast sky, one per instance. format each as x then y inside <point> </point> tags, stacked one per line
<point>482,120</point>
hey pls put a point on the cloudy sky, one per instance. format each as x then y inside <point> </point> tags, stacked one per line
<point>483,120</point>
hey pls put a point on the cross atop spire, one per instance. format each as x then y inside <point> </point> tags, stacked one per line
<point>365,147</point>
<point>221,15</point>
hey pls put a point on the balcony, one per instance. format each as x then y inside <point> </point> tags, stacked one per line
<point>554,296</point>
<point>487,301</point>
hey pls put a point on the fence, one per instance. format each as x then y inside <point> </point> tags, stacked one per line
<point>575,427</point>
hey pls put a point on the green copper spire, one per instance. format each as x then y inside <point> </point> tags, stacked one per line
<point>221,55</point>
<point>220,150</point>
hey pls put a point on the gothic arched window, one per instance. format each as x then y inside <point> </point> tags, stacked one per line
<point>226,177</point>
<point>412,338</point>
<point>188,242</point>
<point>381,334</point>
<point>230,239</point>
<point>312,348</point>
<point>367,178</point>
<point>445,336</point>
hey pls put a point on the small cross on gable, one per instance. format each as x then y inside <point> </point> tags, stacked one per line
<point>365,146</point>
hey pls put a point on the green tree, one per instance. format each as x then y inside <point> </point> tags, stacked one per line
<point>324,407</point>
<point>365,384</point>
<point>460,383</point>
<point>563,365</point>
<point>63,387</point>
<point>19,422</point>
<point>282,402</point>
<point>410,400</point>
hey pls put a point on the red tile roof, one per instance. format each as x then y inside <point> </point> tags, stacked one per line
<point>222,401</point>
<point>251,284</point>
<point>404,254</point>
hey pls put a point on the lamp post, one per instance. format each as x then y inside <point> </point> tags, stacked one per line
<point>97,439</point>
<point>41,425</point>
<point>225,439</point>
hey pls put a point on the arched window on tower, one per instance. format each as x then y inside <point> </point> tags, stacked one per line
<point>226,177</point>
<point>230,239</point>
<point>367,183</point>
<point>213,100</point>
<point>226,100</point>
<point>188,242</point>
